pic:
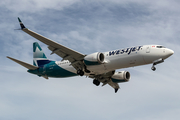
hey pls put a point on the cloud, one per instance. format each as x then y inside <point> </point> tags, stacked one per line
<point>32,6</point>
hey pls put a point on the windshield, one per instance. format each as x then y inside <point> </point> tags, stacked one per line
<point>160,47</point>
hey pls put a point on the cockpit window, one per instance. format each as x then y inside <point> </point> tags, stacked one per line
<point>160,46</point>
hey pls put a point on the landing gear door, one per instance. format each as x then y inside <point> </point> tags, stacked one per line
<point>148,49</point>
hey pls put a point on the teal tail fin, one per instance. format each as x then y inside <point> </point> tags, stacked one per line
<point>39,58</point>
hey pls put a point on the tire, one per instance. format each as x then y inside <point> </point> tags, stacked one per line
<point>96,82</point>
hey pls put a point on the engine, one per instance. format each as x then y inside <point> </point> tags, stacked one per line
<point>122,76</point>
<point>94,59</point>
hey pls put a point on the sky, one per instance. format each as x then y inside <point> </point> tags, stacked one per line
<point>88,27</point>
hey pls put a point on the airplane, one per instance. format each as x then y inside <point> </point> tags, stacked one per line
<point>100,66</point>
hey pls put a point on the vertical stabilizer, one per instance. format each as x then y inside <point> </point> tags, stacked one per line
<point>39,58</point>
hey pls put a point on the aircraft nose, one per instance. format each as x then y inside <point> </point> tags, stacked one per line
<point>169,52</point>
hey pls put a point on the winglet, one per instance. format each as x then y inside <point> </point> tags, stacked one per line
<point>21,24</point>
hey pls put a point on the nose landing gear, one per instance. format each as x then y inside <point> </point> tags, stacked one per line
<point>153,68</point>
<point>156,62</point>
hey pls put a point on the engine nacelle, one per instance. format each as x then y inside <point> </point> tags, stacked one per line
<point>94,59</point>
<point>122,76</point>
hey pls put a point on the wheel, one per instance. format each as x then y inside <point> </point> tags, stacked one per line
<point>80,72</point>
<point>96,82</point>
<point>153,68</point>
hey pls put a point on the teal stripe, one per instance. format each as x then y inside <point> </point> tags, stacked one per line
<point>118,81</point>
<point>34,63</point>
<point>52,70</point>
<point>91,63</point>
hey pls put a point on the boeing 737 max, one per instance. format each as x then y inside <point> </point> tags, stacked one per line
<point>99,66</point>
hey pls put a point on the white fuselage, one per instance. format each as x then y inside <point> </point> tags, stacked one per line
<point>124,58</point>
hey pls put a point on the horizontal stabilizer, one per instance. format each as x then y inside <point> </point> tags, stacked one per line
<point>26,65</point>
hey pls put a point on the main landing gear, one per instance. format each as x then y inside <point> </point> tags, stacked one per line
<point>80,72</point>
<point>96,82</point>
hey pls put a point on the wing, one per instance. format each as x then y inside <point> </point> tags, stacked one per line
<point>74,57</point>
